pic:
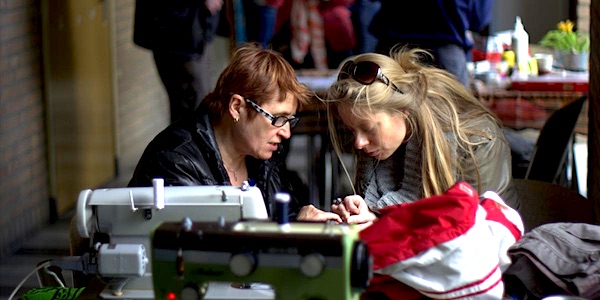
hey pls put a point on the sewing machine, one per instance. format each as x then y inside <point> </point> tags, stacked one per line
<point>120,221</point>
<point>296,260</point>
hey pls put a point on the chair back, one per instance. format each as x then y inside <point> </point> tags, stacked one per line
<point>549,156</point>
<point>543,202</point>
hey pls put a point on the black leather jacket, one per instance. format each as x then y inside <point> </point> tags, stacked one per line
<point>186,153</point>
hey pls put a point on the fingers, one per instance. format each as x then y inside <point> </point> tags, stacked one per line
<point>325,216</point>
<point>365,217</point>
<point>340,210</point>
<point>311,213</point>
<point>354,203</point>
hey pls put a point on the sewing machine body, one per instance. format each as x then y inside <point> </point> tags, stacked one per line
<point>120,221</point>
<point>299,260</point>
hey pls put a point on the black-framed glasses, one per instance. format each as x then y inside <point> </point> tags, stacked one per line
<point>277,121</point>
<point>365,72</point>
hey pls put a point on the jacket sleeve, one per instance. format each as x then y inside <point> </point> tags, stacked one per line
<point>176,170</point>
<point>495,167</point>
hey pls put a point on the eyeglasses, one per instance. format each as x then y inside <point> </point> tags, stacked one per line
<point>365,72</point>
<point>277,121</point>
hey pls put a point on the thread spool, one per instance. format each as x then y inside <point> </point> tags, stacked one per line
<point>282,202</point>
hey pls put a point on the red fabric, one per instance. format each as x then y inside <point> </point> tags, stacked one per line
<point>274,3</point>
<point>339,31</point>
<point>283,16</point>
<point>511,110</point>
<point>495,214</point>
<point>414,227</point>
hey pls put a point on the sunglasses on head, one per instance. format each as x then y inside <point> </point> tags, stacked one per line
<point>365,72</point>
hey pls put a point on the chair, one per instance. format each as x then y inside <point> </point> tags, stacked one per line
<point>549,159</point>
<point>544,202</point>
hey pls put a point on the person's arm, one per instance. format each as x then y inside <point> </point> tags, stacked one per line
<point>214,6</point>
<point>495,167</point>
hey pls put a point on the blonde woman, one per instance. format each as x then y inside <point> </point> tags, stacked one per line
<point>417,131</point>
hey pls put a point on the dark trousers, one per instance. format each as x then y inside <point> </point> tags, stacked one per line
<point>260,22</point>
<point>182,78</point>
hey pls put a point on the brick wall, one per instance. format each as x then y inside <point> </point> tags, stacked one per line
<point>583,15</point>
<point>23,168</point>
<point>142,105</point>
<point>141,112</point>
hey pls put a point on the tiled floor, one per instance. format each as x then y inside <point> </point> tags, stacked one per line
<point>50,243</point>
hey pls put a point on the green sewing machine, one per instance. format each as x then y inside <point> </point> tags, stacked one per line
<point>296,260</point>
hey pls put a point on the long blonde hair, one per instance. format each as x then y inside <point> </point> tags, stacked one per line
<point>435,104</point>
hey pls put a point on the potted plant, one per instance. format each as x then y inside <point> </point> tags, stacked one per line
<point>571,48</point>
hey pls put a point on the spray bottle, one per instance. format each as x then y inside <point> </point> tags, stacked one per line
<point>520,45</point>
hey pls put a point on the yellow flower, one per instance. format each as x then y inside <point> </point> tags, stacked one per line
<point>565,39</point>
<point>566,26</point>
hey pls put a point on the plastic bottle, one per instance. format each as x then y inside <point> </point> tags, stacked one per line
<point>520,44</point>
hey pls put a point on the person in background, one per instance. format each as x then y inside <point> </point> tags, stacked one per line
<point>315,34</point>
<point>261,16</point>
<point>417,132</point>
<point>177,32</point>
<point>435,25</point>
<point>363,12</point>
<point>236,134</point>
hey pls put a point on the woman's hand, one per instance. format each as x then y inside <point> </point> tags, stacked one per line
<point>354,210</point>
<point>214,6</point>
<point>311,213</point>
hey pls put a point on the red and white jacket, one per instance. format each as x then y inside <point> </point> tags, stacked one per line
<point>451,246</point>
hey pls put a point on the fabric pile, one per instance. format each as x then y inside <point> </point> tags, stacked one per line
<point>556,259</point>
<point>448,246</point>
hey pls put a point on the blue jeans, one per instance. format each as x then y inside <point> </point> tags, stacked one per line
<point>454,59</point>
<point>260,22</point>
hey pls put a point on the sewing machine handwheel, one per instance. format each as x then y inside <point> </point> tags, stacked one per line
<point>190,292</point>
<point>361,269</point>
<point>312,265</point>
<point>242,264</point>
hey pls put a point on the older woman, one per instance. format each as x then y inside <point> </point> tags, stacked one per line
<point>236,133</point>
<point>417,130</point>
